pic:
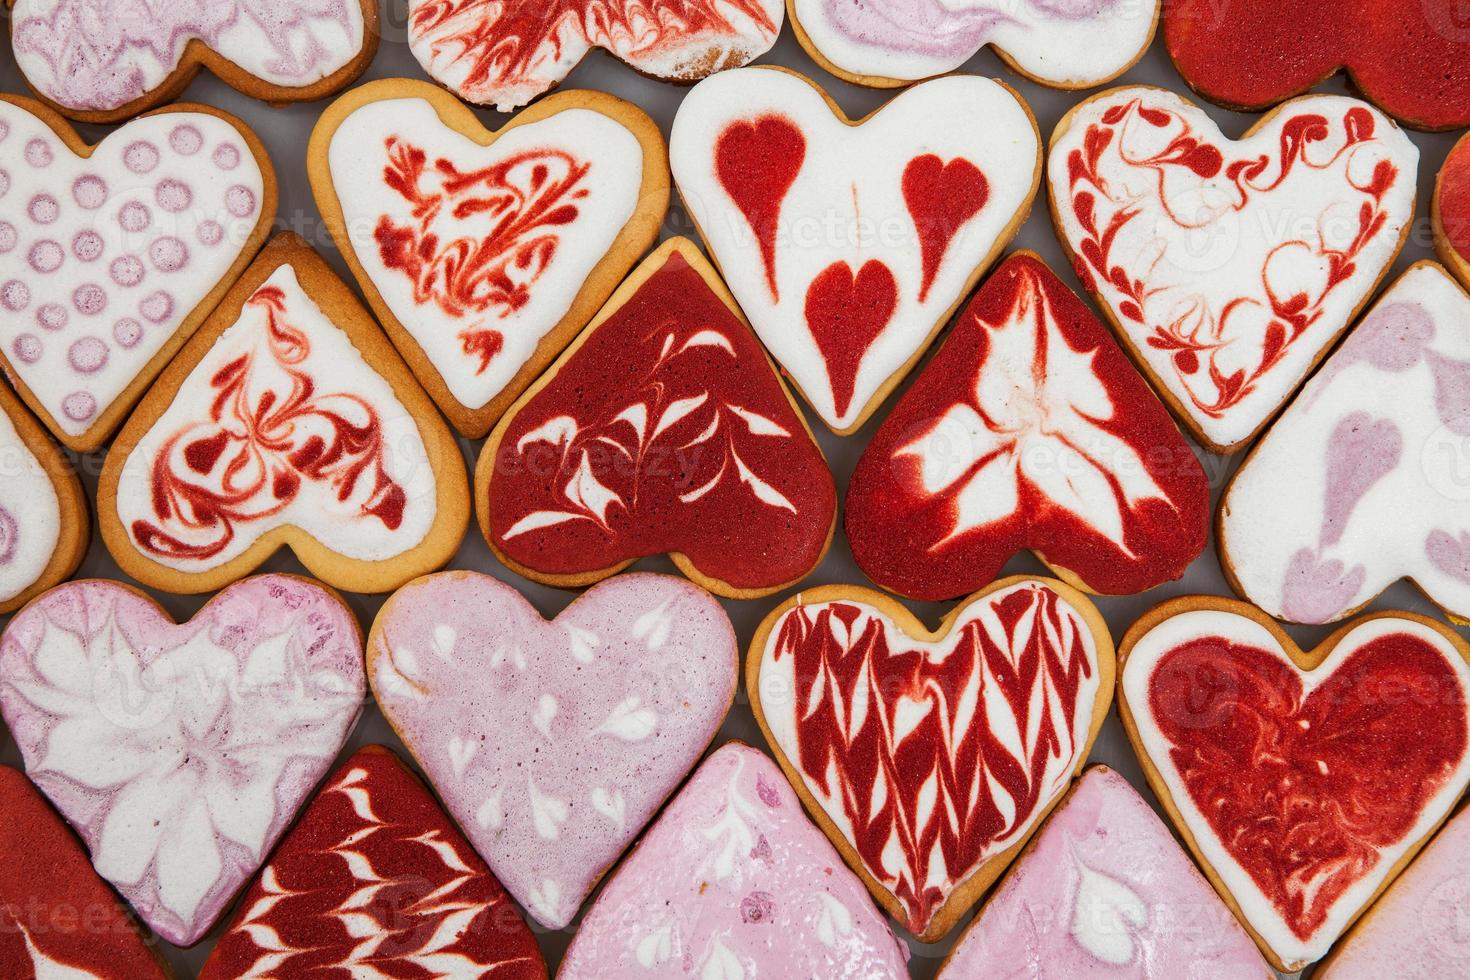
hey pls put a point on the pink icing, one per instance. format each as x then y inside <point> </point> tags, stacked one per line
<point>1419,929</point>
<point>734,882</point>
<point>1105,892</point>
<point>181,752</point>
<point>553,743</point>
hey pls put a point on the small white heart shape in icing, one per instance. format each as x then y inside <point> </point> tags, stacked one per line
<point>180,753</point>
<point>580,740</point>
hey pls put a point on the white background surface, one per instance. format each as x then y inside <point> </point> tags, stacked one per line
<point>285,132</point>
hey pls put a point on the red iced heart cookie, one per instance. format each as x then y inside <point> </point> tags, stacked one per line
<point>930,757</point>
<point>375,879</point>
<point>849,244</point>
<point>1229,266</point>
<point>1304,782</point>
<point>663,428</point>
<point>1029,429</point>
<point>1410,57</point>
<point>57,918</point>
<point>1451,211</point>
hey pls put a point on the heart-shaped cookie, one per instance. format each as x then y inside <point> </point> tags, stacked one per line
<point>289,420</point>
<point>483,253</point>
<point>732,881</point>
<point>1229,267</point>
<point>1028,429</point>
<point>111,255</point>
<point>890,43</point>
<point>505,54</point>
<point>1359,482</point>
<point>553,743</point>
<point>663,428</point>
<point>1104,889</point>
<point>57,918</point>
<point>1450,211</point>
<point>181,752</point>
<point>375,879</point>
<point>44,525</point>
<point>849,244</point>
<point>102,61</point>
<point>1410,57</point>
<point>928,757</point>
<point>1303,782</point>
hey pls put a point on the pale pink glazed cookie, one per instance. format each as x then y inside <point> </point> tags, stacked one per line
<point>553,743</point>
<point>180,753</point>
<point>1229,266</point>
<point>733,882</point>
<point>1417,929</point>
<point>1105,891</point>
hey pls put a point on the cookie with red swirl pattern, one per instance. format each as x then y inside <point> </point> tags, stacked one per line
<point>288,421</point>
<point>1450,211</point>
<point>376,877</point>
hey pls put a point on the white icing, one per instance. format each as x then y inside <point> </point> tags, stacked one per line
<point>1106,913</point>
<point>722,963</point>
<point>629,721</point>
<point>30,514</point>
<point>461,753</point>
<point>45,967</point>
<point>339,369</point>
<point>545,713</point>
<point>834,922</point>
<point>357,158</point>
<point>1255,906</point>
<point>73,231</point>
<point>611,804</point>
<point>847,205</point>
<point>1366,468</point>
<point>656,946</point>
<point>547,812</point>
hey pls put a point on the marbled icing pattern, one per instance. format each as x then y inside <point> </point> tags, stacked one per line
<point>99,55</point>
<point>553,743</point>
<point>733,883</point>
<point>1105,891</point>
<point>180,752</point>
<point>103,258</point>
<point>30,514</point>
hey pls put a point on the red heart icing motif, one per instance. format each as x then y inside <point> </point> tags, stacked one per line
<point>1452,211</point>
<point>662,430</point>
<point>1411,57</point>
<point>1301,790</point>
<point>930,756</point>
<point>759,193</point>
<point>941,197</point>
<point>845,314</point>
<point>1029,429</point>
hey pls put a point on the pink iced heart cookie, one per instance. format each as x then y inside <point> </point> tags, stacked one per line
<point>849,244</point>
<point>732,881</point>
<point>111,255</point>
<point>483,253</point>
<point>1229,266</point>
<point>553,743</point>
<point>180,752</point>
<point>105,60</point>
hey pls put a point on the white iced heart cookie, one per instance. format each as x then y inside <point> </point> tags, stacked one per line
<point>849,245</point>
<point>484,253</point>
<point>1361,481</point>
<point>180,753</point>
<point>111,255</point>
<point>105,60</point>
<point>1229,266</point>
<point>553,743</point>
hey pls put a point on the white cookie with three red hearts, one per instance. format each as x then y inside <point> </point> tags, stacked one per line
<point>849,244</point>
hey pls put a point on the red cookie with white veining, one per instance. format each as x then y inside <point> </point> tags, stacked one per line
<point>849,244</point>
<point>1303,782</point>
<point>56,915</point>
<point>929,758</point>
<point>375,877</point>
<point>1029,429</point>
<point>1410,57</point>
<point>289,420</point>
<point>662,429</point>
<point>1451,211</point>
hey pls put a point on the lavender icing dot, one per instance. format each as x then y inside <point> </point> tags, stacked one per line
<point>140,157</point>
<point>226,156</point>
<point>169,254</point>
<point>4,130</point>
<point>44,209</point>
<point>186,140</point>
<point>79,406</point>
<point>174,195</point>
<point>8,237</point>
<point>89,299</point>
<point>15,295</point>
<point>46,256</point>
<point>127,332</point>
<point>211,233</point>
<point>27,347</point>
<point>134,217</point>
<point>87,355</point>
<point>240,201</point>
<point>52,316</point>
<point>89,191</point>
<point>157,307</point>
<point>87,246</point>
<point>38,152</point>
<point>126,270</point>
<point>4,182</point>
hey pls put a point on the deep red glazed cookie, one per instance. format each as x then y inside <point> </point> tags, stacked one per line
<point>1451,211</point>
<point>56,915</point>
<point>662,429</point>
<point>376,880</point>
<point>1410,57</point>
<point>1029,429</point>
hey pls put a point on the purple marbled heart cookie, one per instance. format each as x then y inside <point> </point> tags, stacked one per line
<point>180,752</point>
<point>553,743</point>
